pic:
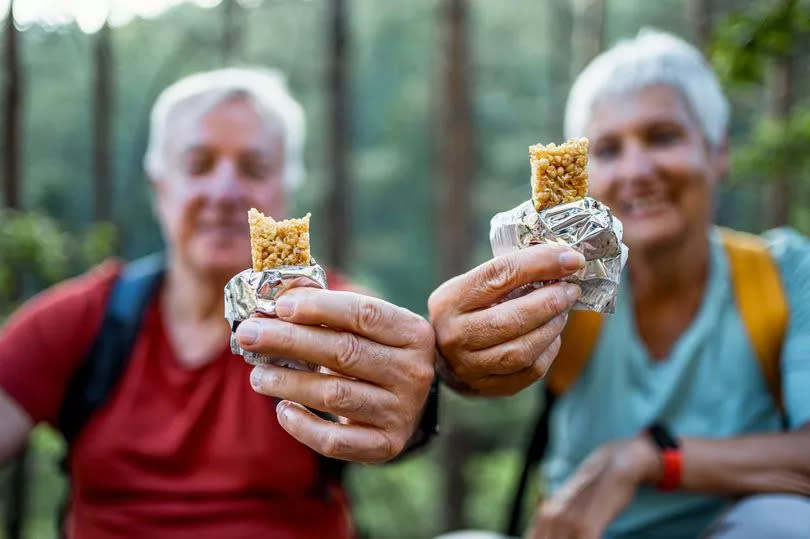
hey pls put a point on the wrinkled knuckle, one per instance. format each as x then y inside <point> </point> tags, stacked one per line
<point>501,273</point>
<point>516,355</point>
<point>391,447</point>
<point>285,337</point>
<point>338,395</point>
<point>555,302</point>
<point>369,315</point>
<point>454,336</point>
<point>422,372</point>
<point>348,352</point>
<point>333,444</point>
<point>424,335</point>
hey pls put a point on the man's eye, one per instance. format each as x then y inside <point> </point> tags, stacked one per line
<point>256,168</point>
<point>606,151</point>
<point>200,164</point>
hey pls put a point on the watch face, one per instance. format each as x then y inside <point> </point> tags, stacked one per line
<point>661,436</point>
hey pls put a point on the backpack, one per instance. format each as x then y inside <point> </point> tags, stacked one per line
<point>763,307</point>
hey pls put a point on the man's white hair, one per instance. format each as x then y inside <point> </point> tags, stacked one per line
<point>265,88</point>
<point>651,58</point>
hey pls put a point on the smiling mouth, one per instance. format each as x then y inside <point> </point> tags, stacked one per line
<point>643,205</point>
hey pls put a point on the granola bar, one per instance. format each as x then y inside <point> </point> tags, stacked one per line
<point>275,244</point>
<point>559,173</point>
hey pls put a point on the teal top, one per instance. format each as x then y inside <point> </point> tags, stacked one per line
<point>710,386</point>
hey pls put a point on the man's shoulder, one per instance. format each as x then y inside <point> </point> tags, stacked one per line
<point>80,294</point>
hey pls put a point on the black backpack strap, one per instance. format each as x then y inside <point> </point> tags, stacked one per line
<point>96,377</point>
<point>533,455</point>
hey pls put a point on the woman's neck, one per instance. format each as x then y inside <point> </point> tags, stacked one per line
<point>661,273</point>
<point>668,287</point>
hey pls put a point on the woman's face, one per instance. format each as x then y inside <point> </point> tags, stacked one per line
<point>651,163</point>
<point>218,166</point>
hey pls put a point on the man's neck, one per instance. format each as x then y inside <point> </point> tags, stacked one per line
<point>190,298</point>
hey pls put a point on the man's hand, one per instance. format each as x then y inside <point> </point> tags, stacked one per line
<point>599,490</point>
<point>490,348</point>
<point>383,358</point>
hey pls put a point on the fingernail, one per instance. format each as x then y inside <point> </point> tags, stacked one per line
<point>283,410</point>
<point>257,376</point>
<point>247,332</point>
<point>571,260</point>
<point>572,291</point>
<point>285,307</point>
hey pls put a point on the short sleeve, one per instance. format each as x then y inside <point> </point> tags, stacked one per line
<point>43,343</point>
<point>792,252</point>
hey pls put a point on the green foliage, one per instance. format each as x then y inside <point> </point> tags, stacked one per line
<point>747,40</point>
<point>35,251</point>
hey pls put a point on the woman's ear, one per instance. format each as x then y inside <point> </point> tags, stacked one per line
<point>719,160</point>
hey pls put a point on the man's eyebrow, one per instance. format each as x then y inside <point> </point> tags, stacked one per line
<point>195,148</point>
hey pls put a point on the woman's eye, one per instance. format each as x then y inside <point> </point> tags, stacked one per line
<point>663,137</point>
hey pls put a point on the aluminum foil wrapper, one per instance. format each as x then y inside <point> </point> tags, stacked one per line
<point>250,292</point>
<point>586,225</point>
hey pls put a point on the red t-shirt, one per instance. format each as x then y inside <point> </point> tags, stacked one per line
<point>175,452</point>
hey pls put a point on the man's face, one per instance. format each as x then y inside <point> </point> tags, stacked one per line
<point>650,162</point>
<point>218,166</point>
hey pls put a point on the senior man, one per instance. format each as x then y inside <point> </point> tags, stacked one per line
<point>181,446</point>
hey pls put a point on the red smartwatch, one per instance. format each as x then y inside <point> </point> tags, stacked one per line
<point>671,456</point>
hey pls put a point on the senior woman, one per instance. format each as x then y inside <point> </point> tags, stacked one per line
<point>182,447</point>
<point>670,430</point>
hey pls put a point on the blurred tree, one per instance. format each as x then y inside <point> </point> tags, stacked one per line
<point>454,196</point>
<point>232,32</point>
<point>754,45</point>
<point>12,137</point>
<point>103,103</point>
<point>12,132</point>
<point>338,195</point>
<point>700,12</point>
<point>588,33</point>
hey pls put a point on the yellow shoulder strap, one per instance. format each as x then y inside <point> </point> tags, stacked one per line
<point>761,300</point>
<point>578,341</point>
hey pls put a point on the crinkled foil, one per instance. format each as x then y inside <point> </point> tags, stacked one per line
<point>250,292</point>
<point>586,225</point>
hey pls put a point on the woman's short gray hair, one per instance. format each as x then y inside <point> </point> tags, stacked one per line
<point>651,58</point>
<point>265,88</point>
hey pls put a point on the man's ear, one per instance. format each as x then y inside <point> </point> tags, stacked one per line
<point>157,190</point>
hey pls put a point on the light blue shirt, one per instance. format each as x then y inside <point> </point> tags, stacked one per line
<point>710,386</point>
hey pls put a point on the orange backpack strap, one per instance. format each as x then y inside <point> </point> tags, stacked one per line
<point>761,301</point>
<point>578,341</point>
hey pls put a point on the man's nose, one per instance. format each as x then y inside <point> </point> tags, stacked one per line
<point>227,186</point>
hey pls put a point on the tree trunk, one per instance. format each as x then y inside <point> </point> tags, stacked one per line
<point>102,120</point>
<point>588,32</point>
<point>12,132</point>
<point>456,143</point>
<point>555,35</point>
<point>337,201</point>
<point>232,41</point>
<point>454,198</point>
<point>700,12</point>
<point>779,95</point>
